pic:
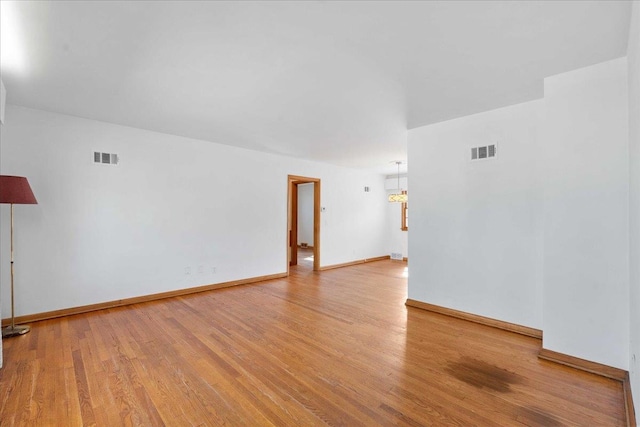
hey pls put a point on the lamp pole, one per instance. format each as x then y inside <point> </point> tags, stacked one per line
<point>13,330</point>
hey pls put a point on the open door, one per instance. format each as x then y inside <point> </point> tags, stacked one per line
<point>292,220</point>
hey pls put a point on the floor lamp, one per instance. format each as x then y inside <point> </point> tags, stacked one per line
<point>15,190</point>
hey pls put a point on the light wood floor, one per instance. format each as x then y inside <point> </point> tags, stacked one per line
<point>305,259</point>
<point>336,348</point>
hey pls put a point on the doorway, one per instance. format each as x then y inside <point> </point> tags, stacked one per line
<point>294,222</point>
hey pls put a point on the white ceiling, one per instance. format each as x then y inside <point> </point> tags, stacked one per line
<point>338,82</point>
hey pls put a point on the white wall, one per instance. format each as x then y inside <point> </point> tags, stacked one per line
<point>398,239</point>
<point>586,214</point>
<point>475,226</point>
<point>539,236</point>
<point>102,233</point>
<point>633,57</point>
<point>3,99</point>
<point>305,213</point>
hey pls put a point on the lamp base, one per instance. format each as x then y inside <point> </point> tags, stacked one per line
<point>12,331</point>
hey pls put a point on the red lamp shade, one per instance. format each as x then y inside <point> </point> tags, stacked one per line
<point>16,190</point>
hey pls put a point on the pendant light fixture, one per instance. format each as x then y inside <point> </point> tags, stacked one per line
<point>399,197</point>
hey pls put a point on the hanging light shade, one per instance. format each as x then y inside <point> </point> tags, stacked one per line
<point>400,197</point>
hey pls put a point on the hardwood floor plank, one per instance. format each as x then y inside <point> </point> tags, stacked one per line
<point>337,347</point>
<point>82,390</point>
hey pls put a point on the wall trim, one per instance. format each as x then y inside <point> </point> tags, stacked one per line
<point>628,402</point>
<point>137,300</point>
<point>598,369</point>
<point>359,261</point>
<point>500,324</point>
<point>583,365</point>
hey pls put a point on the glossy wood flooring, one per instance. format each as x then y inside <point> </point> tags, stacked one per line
<point>335,348</point>
<point>305,259</point>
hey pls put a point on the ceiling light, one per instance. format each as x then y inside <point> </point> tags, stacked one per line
<point>11,49</point>
<point>400,197</point>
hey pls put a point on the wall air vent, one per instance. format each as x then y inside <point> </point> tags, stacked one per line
<point>484,152</point>
<point>105,158</point>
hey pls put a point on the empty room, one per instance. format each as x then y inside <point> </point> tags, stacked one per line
<point>287,213</point>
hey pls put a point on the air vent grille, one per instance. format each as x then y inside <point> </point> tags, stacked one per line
<point>484,152</point>
<point>105,158</point>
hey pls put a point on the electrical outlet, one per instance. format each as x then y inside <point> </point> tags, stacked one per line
<point>213,270</point>
<point>187,271</point>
